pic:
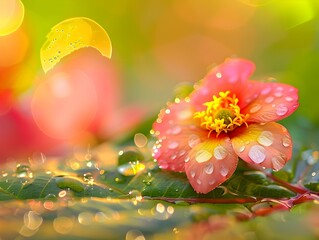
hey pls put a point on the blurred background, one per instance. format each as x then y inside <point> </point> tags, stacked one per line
<point>157,45</point>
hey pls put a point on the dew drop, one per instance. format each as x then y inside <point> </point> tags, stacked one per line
<point>289,99</point>
<point>203,156</point>
<point>176,130</point>
<point>269,99</point>
<point>224,171</point>
<point>209,168</point>
<point>220,153</point>
<point>241,148</point>
<point>69,183</point>
<point>131,168</point>
<point>185,114</point>
<point>173,145</point>
<point>23,171</point>
<point>281,110</point>
<point>211,182</point>
<point>266,138</point>
<point>257,154</point>
<point>193,140</point>
<point>277,163</point>
<point>278,94</point>
<point>192,174</point>
<point>266,91</point>
<point>218,75</point>
<point>88,178</point>
<point>186,159</point>
<point>255,108</point>
<point>199,182</point>
<point>286,141</point>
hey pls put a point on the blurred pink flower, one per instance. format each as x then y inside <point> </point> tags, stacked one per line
<point>76,103</point>
<point>227,116</point>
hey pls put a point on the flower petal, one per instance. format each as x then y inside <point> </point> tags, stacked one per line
<point>177,134</point>
<point>211,163</point>
<point>268,145</point>
<point>229,76</point>
<point>273,102</point>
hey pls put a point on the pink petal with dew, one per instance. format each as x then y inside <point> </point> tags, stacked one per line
<point>229,76</point>
<point>268,145</point>
<point>177,133</point>
<point>211,163</point>
<point>274,102</point>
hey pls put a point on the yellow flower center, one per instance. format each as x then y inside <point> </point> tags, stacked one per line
<point>222,114</point>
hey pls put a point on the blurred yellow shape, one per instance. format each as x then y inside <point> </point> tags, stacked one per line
<point>70,35</point>
<point>11,16</point>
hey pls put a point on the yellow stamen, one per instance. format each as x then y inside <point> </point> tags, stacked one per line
<point>222,114</point>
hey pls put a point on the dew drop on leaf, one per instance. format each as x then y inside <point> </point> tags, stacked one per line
<point>69,183</point>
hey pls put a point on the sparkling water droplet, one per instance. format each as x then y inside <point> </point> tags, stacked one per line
<point>257,154</point>
<point>277,163</point>
<point>23,171</point>
<point>88,178</point>
<point>212,182</point>
<point>266,91</point>
<point>209,168</point>
<point>199,182</point>
<point>192,174</point>
<point>220,152</point>
<point>289,99</point>
<point>224,171</point>
<point>203,156</point>
<point>69,183</point>
<point>173,145</point>
<point>187,159</point>
<point>266,138</point>
<point>193,140</point>
<point>281,109</point>
<point>176,130</point>
<point>136,196</point>
<point>278,94</point>
<point>269,99</point>
<point>241,148</point>
<point>255,108</point>
<point>286,141</point>
<point>218,75</point>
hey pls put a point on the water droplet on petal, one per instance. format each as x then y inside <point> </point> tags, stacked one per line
<point>266,138</point>
<point>241,148</point>
<point>257,154</point>
<point>289,99</point>
<point>209,168</point>
<point>211,182</point>
<point>266,91</point>
<point>203,156</point>
<point>218,75</point>
<point>176,130</point>
<point>220,153</point>
<point>192,174</point>
<point>277,163</point>
<point>278,94</point>
<point>186,114</point>
<point>255,108</point>
<point>199,182</point>
<point>281,109</point>
<point>173,145</point>
<point>286,141</point>
<point>269,99</point>
<point>186,159</point>
<point>224,171</point>
<point>193,140</point>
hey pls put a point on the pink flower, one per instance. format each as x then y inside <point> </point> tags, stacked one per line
<point>227,116</point>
